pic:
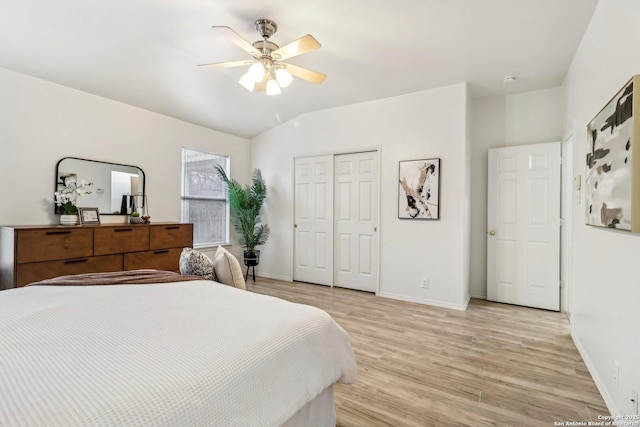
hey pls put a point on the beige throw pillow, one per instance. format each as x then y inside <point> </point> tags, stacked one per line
<point>227,269</point>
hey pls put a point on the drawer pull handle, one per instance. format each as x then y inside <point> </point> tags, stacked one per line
<point>76,261</point>
<point>122,229</point>
<point>57,232</point>
<point>161,252</point>
<point>172,227</point>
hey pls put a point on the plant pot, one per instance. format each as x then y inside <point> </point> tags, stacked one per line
<point>68,219</point>
<point>134,220</point>
<point>251,258</point>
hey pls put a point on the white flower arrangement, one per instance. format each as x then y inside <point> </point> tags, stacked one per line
<point>67,196</point>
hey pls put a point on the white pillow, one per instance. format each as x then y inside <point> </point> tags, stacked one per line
<point>227,269</point>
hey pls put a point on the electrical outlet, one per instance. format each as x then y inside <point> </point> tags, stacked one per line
<point>425,283</point>
<point>634,402</point>
<point>616,373</point>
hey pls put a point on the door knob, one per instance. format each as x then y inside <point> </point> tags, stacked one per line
<point>375,229</point>
<point>295,225</point>
<point>492,232</point>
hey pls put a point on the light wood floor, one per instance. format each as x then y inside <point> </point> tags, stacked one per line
<point>493,364</point>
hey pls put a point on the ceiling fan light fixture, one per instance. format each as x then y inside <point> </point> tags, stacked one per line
<point>272,87</point>
<point>247,82</point>
<point>283,77</point>
<point>256,71</point>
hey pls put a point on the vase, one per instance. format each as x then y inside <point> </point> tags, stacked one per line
<point>252,258</point>
<point>68,219</point>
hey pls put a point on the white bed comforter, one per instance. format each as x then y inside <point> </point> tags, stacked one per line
<point>176,354</point>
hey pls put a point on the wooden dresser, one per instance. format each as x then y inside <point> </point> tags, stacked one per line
<point>32,253</point>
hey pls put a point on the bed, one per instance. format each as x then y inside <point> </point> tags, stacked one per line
<point>177,353</point>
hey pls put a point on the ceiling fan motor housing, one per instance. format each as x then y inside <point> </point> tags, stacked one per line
<point>266,27</point>
<point>266,47</point>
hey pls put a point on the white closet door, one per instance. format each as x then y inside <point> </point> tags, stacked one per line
<point>313,220</point>
<point>356,221</point>
<point>523,242</point>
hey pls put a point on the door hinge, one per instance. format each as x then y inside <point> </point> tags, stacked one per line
<point>562,223</point>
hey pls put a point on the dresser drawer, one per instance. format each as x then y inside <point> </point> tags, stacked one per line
<point>171,236</point>
<point>35,271</point>
<point>53,243</point>
<point>161,259</point>
<point>125,238</point>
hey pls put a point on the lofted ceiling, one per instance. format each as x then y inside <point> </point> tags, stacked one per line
<point>145,52</point>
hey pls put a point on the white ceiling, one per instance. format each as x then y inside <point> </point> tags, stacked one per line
<point>145,52</point>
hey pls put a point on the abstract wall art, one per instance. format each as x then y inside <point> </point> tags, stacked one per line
<point>419,189</point>
<point>612,184</point>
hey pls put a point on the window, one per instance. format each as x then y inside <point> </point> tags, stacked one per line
<point>204,197</point>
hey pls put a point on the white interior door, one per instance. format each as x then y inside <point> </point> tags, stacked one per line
<point>523,242</point>
<point>313,220</point>
<point>356,221</point>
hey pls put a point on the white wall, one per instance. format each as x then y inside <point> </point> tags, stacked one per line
<point>419,125</point>
<point>41,122</point>
<point>527,118</point>
<point>605,318</point>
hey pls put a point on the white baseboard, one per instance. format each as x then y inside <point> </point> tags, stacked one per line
<point>273,276</point>
<point>596,378</point>
<point>479,296</point>
<point>460,307</point>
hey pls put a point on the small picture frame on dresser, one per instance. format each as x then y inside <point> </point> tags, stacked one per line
<point>89,216</point>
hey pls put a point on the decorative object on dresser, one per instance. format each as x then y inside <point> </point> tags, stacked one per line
<point>246,204</point>
<point>68,219</point>
<point>33,253</point>
<point>89,216</point>
<point>66,197</point>
<point>134,218</point>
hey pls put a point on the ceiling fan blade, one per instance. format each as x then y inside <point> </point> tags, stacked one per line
<point>306,74</point>
<point>239,41</point>
<point>302,45</point>
<point>226,64</point>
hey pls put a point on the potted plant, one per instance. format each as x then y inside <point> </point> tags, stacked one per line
<point>246,204</point>
<point>66,198</point>
<point>135,218</point>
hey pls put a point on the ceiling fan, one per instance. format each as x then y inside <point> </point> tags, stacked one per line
<point>266,71</point>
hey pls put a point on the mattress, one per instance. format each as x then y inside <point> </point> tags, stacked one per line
<point>189,353</point>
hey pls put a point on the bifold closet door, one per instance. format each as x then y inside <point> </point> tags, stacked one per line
<point>313,220</point>
<point>356,214</point>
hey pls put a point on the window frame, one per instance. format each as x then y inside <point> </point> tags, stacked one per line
<point>184,197</point>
